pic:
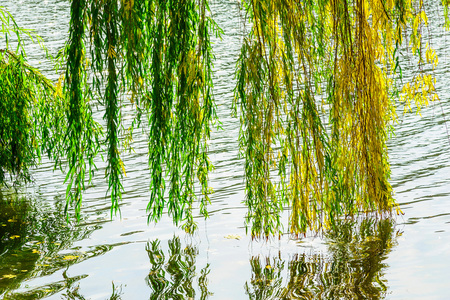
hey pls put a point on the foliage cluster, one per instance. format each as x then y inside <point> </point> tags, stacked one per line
<point>315,96</point>
<point>155,54</point>
<point>30,110</point>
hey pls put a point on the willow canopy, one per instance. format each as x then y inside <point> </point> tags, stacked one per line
<point>317,83</point>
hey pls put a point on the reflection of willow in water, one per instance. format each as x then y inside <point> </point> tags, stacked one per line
<point>353,269</point>
<point>36,241</point>
<point>72,292</point>
<point>174,279</point>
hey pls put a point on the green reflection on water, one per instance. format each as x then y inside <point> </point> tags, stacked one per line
<point>353,269</point>
<point>72,293</point>
<point>36,241</point>
<point>174,279</point>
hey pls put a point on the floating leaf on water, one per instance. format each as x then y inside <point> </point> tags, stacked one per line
<point>232,236</point>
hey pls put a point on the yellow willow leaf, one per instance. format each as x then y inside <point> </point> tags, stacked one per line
<point>14,237</point>
<point>129,5</point>
<point>111,52</point>
<point>9,276</point>
<point>70,257</point>
<point>424,17</point>
<point>416,23</point>
<point>399,211</point>
<point>123,167</point>
<point>59,87</point>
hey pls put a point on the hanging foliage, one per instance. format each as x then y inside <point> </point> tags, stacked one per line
<point>316,85</point>
<point>30,116</point>
<point>180,105</point>
<point>314,92</point>
<point>81,137</point>
<point>157,54</point>
<point>31,108</point>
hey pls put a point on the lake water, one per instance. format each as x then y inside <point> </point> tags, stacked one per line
<point>41,256</point>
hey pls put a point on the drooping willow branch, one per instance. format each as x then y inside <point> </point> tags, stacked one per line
<point>313,91</point>
<point>82,136</point>
<point>181,107</point>
<point>157,53</point>
<point>31,106</point>
<point>31,117</point>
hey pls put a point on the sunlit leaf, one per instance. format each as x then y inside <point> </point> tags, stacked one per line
<point>70,257</point>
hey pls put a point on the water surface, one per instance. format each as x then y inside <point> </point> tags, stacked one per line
<point>41,256</point>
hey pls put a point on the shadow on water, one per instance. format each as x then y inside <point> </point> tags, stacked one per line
<point>37,241</point>
<point>352,269</point>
